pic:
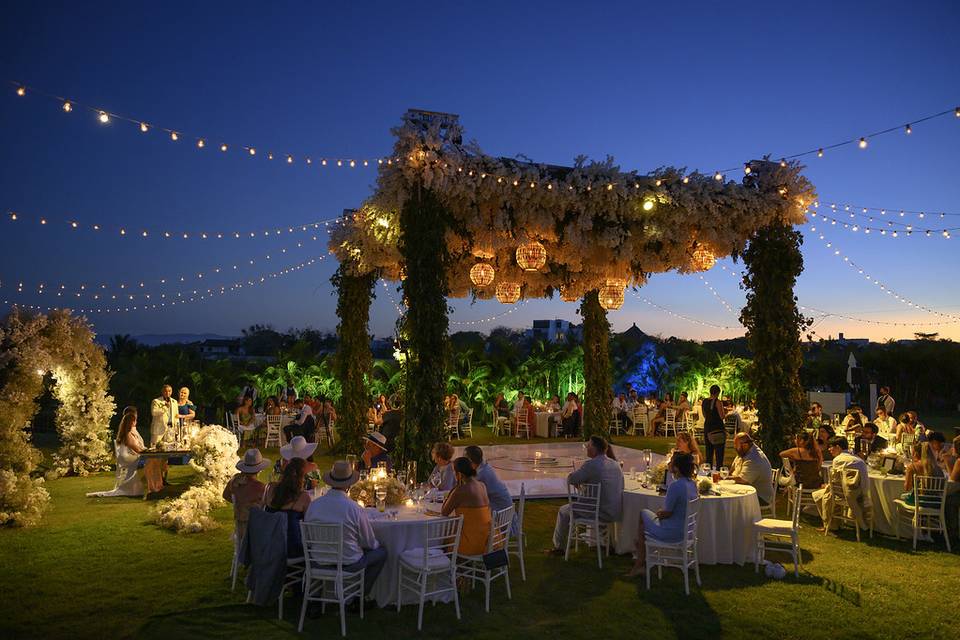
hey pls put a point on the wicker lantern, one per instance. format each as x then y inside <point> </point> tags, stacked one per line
<point>481,274</point>
<point>702,259</point>
<point>611,294</point>
<point>508,292</point>
<point>531,256</point>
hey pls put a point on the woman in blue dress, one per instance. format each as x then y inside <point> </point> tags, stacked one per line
<point>186,409</point>
<point>667,524</point>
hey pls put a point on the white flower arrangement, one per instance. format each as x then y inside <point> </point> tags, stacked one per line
<point>705,486</point>
<point>213,455</point>
<point>658,475</point>
<point>596,221</point>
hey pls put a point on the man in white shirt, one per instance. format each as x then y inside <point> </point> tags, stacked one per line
<point>361,550</point>
<point>843,460</point>
<point>886,424</point>
<point>886,401</point>
<point>599,469</point>
<point>164,412</point>
<point>752,467</point>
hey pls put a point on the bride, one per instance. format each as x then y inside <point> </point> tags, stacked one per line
<point>128,444</point>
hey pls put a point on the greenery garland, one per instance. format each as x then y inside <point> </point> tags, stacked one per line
<point>353,362</point>
<point>774,325</point>
<point>598,394</point>
<point>424,252</point>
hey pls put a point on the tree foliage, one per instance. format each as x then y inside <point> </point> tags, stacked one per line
<point>774,325</point>
<point>598,391</point>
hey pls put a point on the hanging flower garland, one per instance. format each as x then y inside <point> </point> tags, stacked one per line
<point>547,227</point>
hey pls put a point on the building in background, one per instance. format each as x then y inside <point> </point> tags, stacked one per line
<point>555,331</point>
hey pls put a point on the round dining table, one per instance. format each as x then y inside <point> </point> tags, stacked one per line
<point>724,524</point>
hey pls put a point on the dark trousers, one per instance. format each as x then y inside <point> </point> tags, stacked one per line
<point>571,425</point>
<point>372,564</point>
<point>714,451</point>
<point>291,430</point>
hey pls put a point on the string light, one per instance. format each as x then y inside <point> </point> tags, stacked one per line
<point>909,229</point>
<point>187,234</point>
<point>679,315</point>
<point>67,106</point>
<point>716,294</point>
<point>863,143</point>
<point>103,117</point>
<point>461,323</point>
<point>853,208</point>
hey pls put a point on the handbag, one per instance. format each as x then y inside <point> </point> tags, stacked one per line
<point>495,559</point>
<point>717,438</point>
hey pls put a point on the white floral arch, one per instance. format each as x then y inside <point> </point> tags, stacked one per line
<point>62,345</point>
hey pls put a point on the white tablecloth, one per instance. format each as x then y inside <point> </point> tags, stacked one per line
<point>397,536</point>
<point>542,428</point>
<point>724,526</point>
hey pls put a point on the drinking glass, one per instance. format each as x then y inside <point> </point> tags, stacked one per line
<point>352,459</point>
<point>705,468</point>
<point>724,472</point>
<point>412,471</point>
<point>381,494</point>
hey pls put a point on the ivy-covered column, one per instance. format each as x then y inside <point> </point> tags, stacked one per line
<point>774,325</point>
<point>598,382</point>
<point>353,361</point>
<point>423,249</point>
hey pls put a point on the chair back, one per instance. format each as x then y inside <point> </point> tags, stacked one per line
<point>786,471</point>
<point>836,487</point>
<point>522,419</point>
<point>442,537</point>
<point>500,529</point>
<point>775,479</point>
<point>521,506</point>
<point>275,421</point>
<point>690,527</point>
<point>928,492</point>
<point>671,415</point>
<point>322,545</point>
<point>906,441</point>
<point>584,501</point>
<point>470,417</point>
<point>730,423</point>
<point>453,418</point>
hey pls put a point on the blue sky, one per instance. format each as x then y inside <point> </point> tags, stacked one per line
<point>701,85</point>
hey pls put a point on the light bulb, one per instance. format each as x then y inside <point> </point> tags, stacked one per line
<point>783,162</point>
<point>289,159</point>
<point>269,156</point>
<point>718,176</point>
<point>67,106</point>
<point>863,143</point>
<point>253,151</point>
<point>174,136</point>
<point>819,153</point>
<point>747,169</point>
<point>200,143</point>
<point>21,91</point>
<point>104,117</point>
<point>686,179</point>
<point>223,147</point>
<point>907,130</point>
<point>143,127</point>
<point>339,163</point>
<point>352,164</point>
<point>647,205</point>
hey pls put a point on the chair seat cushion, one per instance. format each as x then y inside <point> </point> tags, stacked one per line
<point>435,559</point>
<point>772,525</point>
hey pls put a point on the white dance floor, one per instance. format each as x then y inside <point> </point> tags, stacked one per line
<point>545,475</point>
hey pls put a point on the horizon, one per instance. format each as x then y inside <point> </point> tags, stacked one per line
<point>591,80</point>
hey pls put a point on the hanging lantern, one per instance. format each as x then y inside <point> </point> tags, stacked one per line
<point>508,292</point>
<point>531,256</point>
<point>611,294</point>
<point>481,274</point>
<point>568,295</point>
<point>702,259</point>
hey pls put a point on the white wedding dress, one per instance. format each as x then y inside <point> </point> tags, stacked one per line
<point>129,483</point>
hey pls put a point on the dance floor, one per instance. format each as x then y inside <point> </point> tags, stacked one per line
<point>543,467</point>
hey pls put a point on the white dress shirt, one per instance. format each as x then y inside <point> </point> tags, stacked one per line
<point>335,506</point>
<point>304,412</point>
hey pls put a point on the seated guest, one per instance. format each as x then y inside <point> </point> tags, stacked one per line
<point>442,477</point>
<point>288,496</point>
<point>299,448</point>
<point>314,405</point>
<point>919,427</point>
<point>905,426</point>
<point>620,411</point>
<point>382,405</point>
<point>530,413</point>
<point>497,492</point>
<point>373,418</point>
<point>570,415</point>
<point>244,490</point>
<point>246,414</point>
<point>952,499</point>
<point>923,464</point>
<point>667,524</point>
<point>752,467</point>
<point>468,498</point>
<point>815,417</point>
<point>632,400</point>
<point>374,452</point>
<point>329,414</point>
<point>853,421</point>
<point>303,424</point>
<point>806,460</point>
<point>686,444</point>
<point>599,469</point>
<point>361,550</point>
<point>683,407</point>
<point>886,424</point>
<point>518,405</point>
<point>943,454</point>
<point>501,407</point>
<point>858,490</point>
<point>868,437</point>
<point>553,404</point>
<point>824,433</point>
<point>128,445</point>
<point>462,408</point>
<point>661,417</point>
<point>271,407</point>
<point>187,410</point>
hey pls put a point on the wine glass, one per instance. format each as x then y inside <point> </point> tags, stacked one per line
<point>705,469</point>
<point>724,472</point>
<point>381,493</point>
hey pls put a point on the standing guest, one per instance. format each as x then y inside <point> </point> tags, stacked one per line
<point>497,492</point>
<point>806,460</point>
<point>868,437</point>
<point>374,452</point>
<point>886,424</point>
<point>288,496</point>
<point>752,467</point>
<point>186,409</point>
<point>599,469</point>
<point>289,393</point>
<point>943,454</point>
<point>570,415</point>
<point>468,498</point>
<point>686,444</point>
<point>714,433</point>
<point>329,413</point>
<point>299,449</point>
<point>885,401</point>
<point>442,477</point>
<point>244,490</point>
<point>361,550</point>
<point>164,411</point>
<point>858,490</point>
<point>667,524</point>
<point>906,426</point>
<point>127,445</point>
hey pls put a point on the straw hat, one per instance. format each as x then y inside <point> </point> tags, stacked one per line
<point>341,475</point>
<point>298,448</point>
<point>253,462</point>
<point>378,439</point>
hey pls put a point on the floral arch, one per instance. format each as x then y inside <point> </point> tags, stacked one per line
<point>32,346</point>
<point>448,220</point>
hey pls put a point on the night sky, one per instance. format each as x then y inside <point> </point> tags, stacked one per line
<point>700,85</point>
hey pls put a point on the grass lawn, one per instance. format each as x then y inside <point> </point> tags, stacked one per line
<point>99,568</point>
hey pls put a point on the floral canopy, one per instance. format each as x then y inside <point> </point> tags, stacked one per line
<point>544,228</point>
